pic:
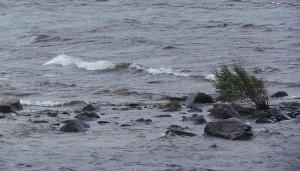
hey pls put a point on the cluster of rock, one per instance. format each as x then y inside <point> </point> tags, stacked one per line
<point>228,122</point>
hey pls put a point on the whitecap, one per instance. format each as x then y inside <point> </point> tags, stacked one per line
<point>210,77</point>
<point>65,60</point>
<point>41,103</point>
<point>154,71</point>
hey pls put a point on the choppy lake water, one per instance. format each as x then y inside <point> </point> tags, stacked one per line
<point>54,51</point>
<point>66,50</point>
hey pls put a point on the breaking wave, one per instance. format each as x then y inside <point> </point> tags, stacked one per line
<point>65,60</point>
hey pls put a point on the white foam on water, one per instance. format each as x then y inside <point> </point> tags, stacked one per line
<point>65,60</point>
<point>41,103</point>
<point>154,71</point>
<point>210,77</point>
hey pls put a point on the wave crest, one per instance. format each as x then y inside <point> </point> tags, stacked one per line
<point>65,60</point>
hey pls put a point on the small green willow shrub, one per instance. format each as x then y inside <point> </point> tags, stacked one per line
<point>235,83</point>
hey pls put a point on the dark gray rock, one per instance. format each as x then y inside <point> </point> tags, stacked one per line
<point>172,109</point>
<point>38,121</point>
<point>178,130</point>
<point>140,120</point>
<point>10,105</point>
<point>279,94</point>
<point>195,110</point>
<point>148,120</point>
<point>74,125</point>
<point>196,119</point>
<point>224,111</point>
<point>125,125</point>
<point>181,99</point>
<point>87,116</point>
<point>102,122</point>
<point>84,117</point>
<point>163,116</point>
<point>199,98</point>
<point>89,108</point>
<point>233,129</point>
<point>263,119</point>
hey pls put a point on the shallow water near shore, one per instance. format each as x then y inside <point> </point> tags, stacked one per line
<point>140,146</point>
<point>61,55</point>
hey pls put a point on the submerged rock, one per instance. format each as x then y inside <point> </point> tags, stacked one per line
<point>10,105</point>
<point>279,94</point>
<point>75,125</point>
<point>163,116</point>
<point>224,111</point>
<point>199,98</point>
<point>102,122</point>
<point>196,119</point>
<point>233,129</point>
<point>178,130</point>
<point>89,108</point>
<point>87,116</point>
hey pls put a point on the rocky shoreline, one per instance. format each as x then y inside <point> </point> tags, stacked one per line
<point>198,115</point>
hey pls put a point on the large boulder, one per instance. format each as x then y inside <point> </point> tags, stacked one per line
<point>74,125</point>
<point>224,111</point>
<point>233,129</point>
<point>199,98</point>
<point>10,105</point>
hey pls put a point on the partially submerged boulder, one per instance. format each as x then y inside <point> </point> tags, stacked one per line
<point>178,130</point>
<point>10,105</point>
<point>74,125</point>
<point>199,98</point>
<point>224,111</point>
<point>87,116</point>
<point>233,129</point>
<point>279,94</point>
<point>196,119</point>
<point>89,108</point>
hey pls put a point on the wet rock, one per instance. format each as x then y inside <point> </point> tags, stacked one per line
<point>102,122</point>
<point>178,130</point>
<point>224,111</point>
<point>279,94</point>
<point>148,121</point>
<point>140,120</point>
<point>213,146</point>
<point>195,110</point>
<point>263,119</point>
<point>52,114</point>
<point>144,120</point>
<point>172,109</point>
<point>233,129</point>
<point>38,121</point>
<point>84,117</point>
<point>181,99</point>
<point>199,98</point>
<point>89,108</point>
<point>65,113</point>
<point>133,105</point>
<point>196,119</point>
<point>87,116</point>
<point>125,125</point>
<point>74,125</point>
<point>163,116</point>
<point>10,105</point>
<point>244,111</point>
<point>2,116</point>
